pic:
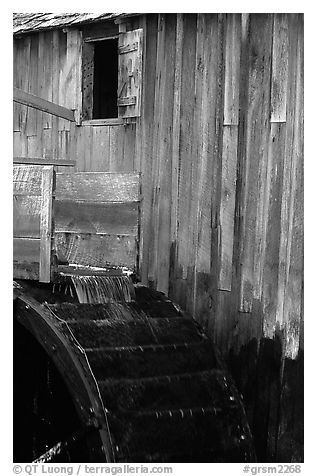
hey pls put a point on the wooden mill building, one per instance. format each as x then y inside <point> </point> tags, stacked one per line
<point>208,108</point>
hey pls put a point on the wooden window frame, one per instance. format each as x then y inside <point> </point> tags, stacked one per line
<point>126,112</point>
<point>89,40</point>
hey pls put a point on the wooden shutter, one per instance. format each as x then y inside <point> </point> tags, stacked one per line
<point>130,73</point>
<point>87,80</point>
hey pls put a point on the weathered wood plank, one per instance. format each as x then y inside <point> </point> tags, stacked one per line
<point>27,179</point>
<point>287,205</point>
<point>292,158</point>
<point>85,217</point>
<point>273,201</point>
<point>32,218</point>
<point>24,82</point>
<point>55,90</point>
<point>232,69</point>
<point>86,150</point>
<point>213,305</point>
<point>83,148</point>
<point>73,85</point>
<point>129,149</point>
<point>43,161</point>
<point>62,66</point>
<point>207,138</point>
<point>196,177</point>
<point>63,145</point>
<point>98,187</point>
<point>254,159</point>
<point>16,121</point>
<point>100,138</point>
<point>279,68</point>
<point>41,93</point>
<point>34,144</point>
<point>73,144</point>
<point>155,141</point>
<point>19,143</point>
<point>229,148</point>
<point>176,124</point>
<point>26,250</point>
<point>17,82</point>
<point>65,78</point>
<point>46,79</point>
<point>116,149</point>
<point>115,121</point>
<point>163,155</point>
<point>175,153</point>
<point>96,250</point>
<point>217,305</point>
<point>77,147</point>
<point>293,304</point>
<point>227,205</point>
<point>87,80</point>
<point>147,139</point>
<point>34,101</point>
<point>46,223</point>
<point>26,216</point>
<point>186,157</point>
<point>33,115</point>
<point>46,149</point>
<point>139,22</point>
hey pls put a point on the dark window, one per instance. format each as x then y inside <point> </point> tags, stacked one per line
<point>105,79</point>
<point>100,79</point>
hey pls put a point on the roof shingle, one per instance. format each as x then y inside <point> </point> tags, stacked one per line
<point>28,22</point>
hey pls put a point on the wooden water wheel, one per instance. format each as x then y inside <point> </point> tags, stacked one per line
<point>145,381</point>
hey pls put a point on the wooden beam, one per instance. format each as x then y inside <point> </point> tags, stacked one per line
<point>100,251</point>
<point>103,122</point>
<point>98,186</point>
<point>96,218</point>
<point>27,180</point>
<point>30,100</point>
<point>46,224</point>
<point>43,161</point>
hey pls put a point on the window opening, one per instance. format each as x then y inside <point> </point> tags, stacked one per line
<point>101,81</point>
<point>105,79</point>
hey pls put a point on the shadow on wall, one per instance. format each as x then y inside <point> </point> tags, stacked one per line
<point>273,392</point>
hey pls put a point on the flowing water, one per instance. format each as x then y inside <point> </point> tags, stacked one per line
<point>102,289</point>
<point>117,291</point>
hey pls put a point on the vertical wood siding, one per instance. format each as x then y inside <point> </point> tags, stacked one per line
<point>222,166</point>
